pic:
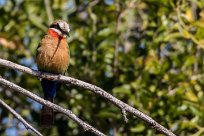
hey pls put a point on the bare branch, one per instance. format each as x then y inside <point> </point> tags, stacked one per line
<point>69,113</point>
<point>94,89</point>
<point>27,126</point>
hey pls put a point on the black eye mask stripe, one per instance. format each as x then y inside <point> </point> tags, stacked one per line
<point>56,26</point>
<point>53,26</point>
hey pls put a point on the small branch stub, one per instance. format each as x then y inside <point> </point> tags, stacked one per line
<point>124,113</point>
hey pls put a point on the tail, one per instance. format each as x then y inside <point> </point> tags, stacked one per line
<point>47,114</point>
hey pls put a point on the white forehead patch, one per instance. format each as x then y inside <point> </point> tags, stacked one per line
<point>64,26</point>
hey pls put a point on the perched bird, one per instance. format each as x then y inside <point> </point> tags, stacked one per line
<point>53,57</point>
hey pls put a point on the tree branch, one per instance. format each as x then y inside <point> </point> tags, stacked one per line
<point>123,106</point>
<point>27,126</point>
<point>69,113</point>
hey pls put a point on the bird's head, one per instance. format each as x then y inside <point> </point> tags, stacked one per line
<point>61,28</point>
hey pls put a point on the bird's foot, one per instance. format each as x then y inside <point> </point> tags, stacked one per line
<point>59,76</point>
<point>40,78</point>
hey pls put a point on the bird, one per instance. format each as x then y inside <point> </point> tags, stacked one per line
<point>52,56</point>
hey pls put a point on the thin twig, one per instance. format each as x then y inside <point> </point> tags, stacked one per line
<point>49,11</point>
<point>27,126</point>
<point>94,89</point>
<point>67,112</point>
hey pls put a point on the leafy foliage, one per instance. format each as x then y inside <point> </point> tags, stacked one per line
<point>147,53</point>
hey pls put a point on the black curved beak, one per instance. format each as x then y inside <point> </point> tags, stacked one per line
<point>65,33</point>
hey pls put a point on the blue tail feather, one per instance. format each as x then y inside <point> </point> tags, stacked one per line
<point>49,88</point>
<point>47,114</point>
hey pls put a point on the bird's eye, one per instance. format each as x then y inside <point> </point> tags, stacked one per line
<point>58,26</point>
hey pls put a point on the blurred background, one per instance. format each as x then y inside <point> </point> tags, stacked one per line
<point>147,53</point>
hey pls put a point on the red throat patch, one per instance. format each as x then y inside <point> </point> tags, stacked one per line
<point>54,34</point>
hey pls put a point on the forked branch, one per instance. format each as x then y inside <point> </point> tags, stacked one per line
<point>67,112</point>
<point>123,106</point>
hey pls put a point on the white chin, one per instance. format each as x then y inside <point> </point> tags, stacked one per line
<point>57,31</point>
